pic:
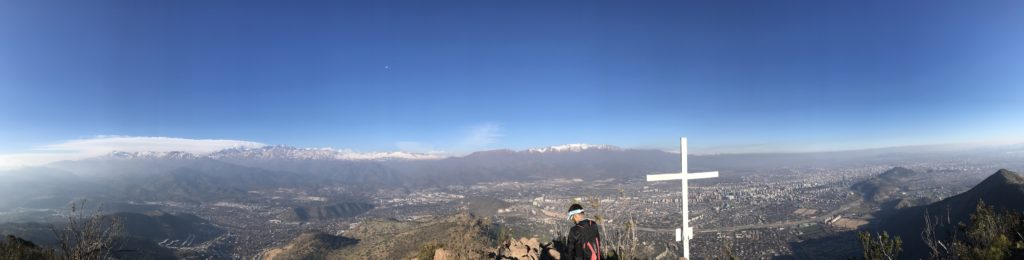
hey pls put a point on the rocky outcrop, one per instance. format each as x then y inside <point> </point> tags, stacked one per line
<point>527,249</point>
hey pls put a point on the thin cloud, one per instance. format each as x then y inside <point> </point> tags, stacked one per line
<point>100,145</point>
<point>741,148</point>
<point>481,136</point>
<point>473,138</point>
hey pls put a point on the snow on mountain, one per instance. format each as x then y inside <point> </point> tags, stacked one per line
<point>574,148</point>
<point>292,153</point>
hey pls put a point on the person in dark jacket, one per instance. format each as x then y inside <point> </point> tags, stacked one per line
<point>584,241</point>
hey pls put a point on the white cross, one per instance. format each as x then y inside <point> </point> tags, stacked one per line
<point>683,175</point>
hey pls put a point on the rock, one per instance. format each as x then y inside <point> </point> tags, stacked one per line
<point>519,250</point>
<point>531,244</point>
<point>554,254</point>
<point>523,249</point>
<point>527,249</point>
<point>440,254</point>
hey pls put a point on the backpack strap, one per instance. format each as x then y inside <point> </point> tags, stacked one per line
<point>591,249</point>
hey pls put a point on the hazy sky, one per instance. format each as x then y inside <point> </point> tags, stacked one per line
<point>457,76</point>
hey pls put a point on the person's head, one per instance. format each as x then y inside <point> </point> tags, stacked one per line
<point>576,213</point>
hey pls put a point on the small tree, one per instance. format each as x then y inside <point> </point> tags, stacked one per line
<point>86,238</point>
<point>880,246</point>
<point>990,235</point>
<point>939,249</point>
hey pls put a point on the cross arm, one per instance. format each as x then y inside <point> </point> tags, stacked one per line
<point>702,175</point>
<point>680,176</point>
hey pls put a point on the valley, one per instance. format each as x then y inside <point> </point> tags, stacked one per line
<point>245,211</point>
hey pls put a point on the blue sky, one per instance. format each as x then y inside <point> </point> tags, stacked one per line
<point>457,76</point>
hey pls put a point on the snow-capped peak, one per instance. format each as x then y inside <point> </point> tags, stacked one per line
<point>574,148</point>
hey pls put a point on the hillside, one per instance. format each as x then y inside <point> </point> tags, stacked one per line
<point>325,212</point>
<point>310,245</point>
<point>390,239</point>
<point>1003,189</point>
<point>887,185</point>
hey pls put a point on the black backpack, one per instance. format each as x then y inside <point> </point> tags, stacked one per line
<point>589,240</point>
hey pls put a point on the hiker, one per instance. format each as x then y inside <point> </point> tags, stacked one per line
<point>584,239</point>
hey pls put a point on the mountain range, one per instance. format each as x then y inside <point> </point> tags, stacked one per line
<point>230,173</point>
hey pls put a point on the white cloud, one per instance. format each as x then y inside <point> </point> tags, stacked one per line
<point>100,145</point>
